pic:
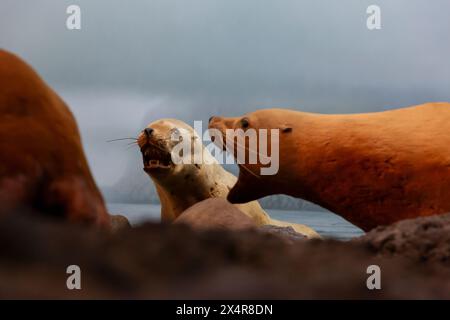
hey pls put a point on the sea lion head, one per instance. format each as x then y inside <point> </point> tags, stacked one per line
<point>164,159</point>
<point>257,136</point>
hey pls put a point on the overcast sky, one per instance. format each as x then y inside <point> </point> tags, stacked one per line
<point>136,61</point>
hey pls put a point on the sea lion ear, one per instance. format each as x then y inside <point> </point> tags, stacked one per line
<point>286,128</point>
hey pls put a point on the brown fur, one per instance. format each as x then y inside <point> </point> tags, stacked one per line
<point>42,163</point>
<point>372,169</point>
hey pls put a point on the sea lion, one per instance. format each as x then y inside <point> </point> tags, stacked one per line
<point>180,186</point>
<point>372,168</point>
<point>42,163</point>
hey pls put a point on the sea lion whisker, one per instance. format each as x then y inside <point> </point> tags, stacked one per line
<point>245,168</point>
<point>129,147</point>
<point>239,145</point>
<point>242,166</point>
<point>249,150</point>
<point>190,183</point>
<point>120,139</point>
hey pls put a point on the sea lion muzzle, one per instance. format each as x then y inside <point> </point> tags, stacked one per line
<point>148,132</point>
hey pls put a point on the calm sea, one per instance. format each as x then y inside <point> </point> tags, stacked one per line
<point>326,224</point>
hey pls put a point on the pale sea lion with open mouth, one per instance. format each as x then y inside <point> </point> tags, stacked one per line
<point>372,169</point>
<point>180,186</point>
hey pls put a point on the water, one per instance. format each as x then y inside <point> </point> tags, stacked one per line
<point>326,224</point>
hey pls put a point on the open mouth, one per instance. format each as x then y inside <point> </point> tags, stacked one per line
<point>155,158</point>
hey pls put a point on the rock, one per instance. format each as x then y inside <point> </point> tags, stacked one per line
<point>119,222</point>
<point>157,261</point>
<point>422,239</point>
<point>286,233</point>
<point>215,213</point>
<point>218,213</point>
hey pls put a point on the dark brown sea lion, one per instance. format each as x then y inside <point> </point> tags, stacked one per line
<point>372,169</point>
<point>42,163</point>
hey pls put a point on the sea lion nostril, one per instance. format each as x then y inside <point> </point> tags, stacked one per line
<point>148,131</point>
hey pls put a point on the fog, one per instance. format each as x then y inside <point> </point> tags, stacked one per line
<point>136,61</point>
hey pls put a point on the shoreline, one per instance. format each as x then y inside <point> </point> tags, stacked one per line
<point>327,224</point>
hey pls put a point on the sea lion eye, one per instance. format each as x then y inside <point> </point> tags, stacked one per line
<point>176,134</point>
<point>245,123</point>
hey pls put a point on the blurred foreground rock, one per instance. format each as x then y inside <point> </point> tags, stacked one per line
<point>215,213</point>
<point>162,261</point>
<point>422,240</point>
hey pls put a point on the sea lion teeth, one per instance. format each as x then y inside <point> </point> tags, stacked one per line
<point>180,186</point>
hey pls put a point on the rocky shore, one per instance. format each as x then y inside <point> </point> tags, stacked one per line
<point>175,261</point>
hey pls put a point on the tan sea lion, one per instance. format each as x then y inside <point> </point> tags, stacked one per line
<point>42,163</point>
<point>180,186</point>
<point>372,168</point>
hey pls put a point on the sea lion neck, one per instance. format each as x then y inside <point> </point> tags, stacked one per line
<point>315,149</point>
<point>305,141</point>
<point>309,146</point>
<point>192,187</point>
